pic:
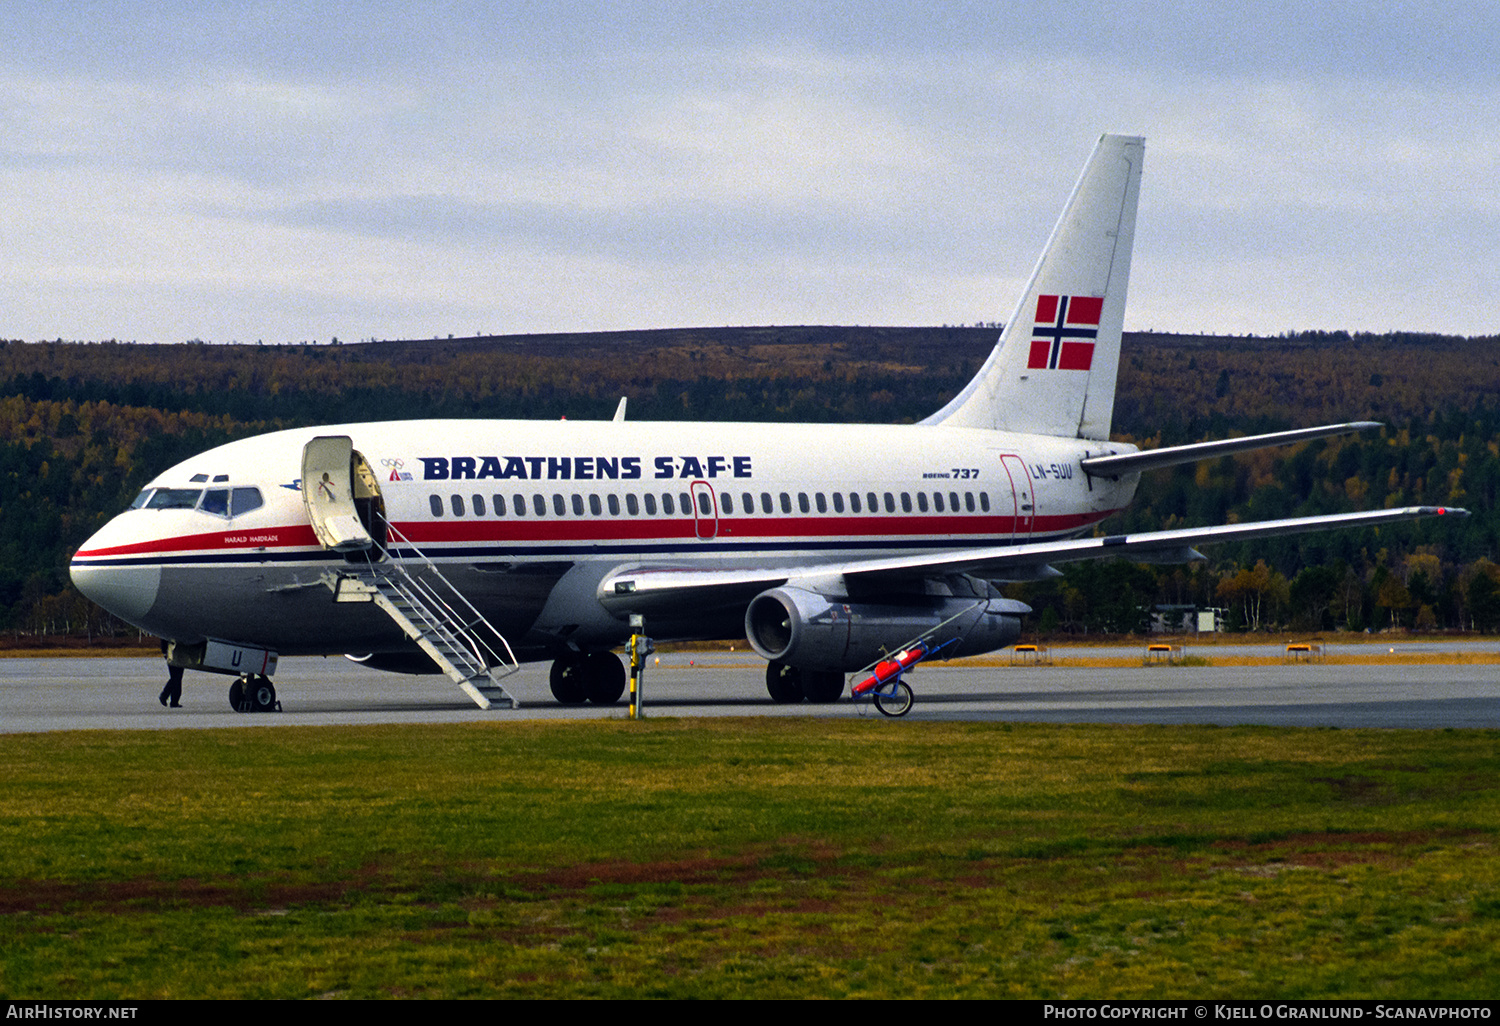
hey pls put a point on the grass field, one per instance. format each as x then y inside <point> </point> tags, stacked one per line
<point>750,858</point>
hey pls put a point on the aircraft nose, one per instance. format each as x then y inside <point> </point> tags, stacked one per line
<point>128,591</point>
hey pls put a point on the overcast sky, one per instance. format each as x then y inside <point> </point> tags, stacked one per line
<point>297,171</point>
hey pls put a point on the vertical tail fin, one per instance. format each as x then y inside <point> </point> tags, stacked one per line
<point>1053,371</point>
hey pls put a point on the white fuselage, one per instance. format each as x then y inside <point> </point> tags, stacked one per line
<point>528,517</point>
<point>829,545</point>
<point>531,521</point>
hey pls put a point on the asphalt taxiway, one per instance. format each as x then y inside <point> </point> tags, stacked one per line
<point>121,694</point>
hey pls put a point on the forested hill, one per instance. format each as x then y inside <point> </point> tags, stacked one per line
<point>1170,383</point>
<point>83,425</point>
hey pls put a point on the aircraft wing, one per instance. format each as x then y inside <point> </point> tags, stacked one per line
<point>648,589</point>
<point>1175,546</point>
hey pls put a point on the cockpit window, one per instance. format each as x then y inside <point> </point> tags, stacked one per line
<point>246,499</point>
<point>225,502</point>
<point>174,498</point>
<point>221,502</point>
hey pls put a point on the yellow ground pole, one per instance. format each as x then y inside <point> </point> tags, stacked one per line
<point>640,648</point>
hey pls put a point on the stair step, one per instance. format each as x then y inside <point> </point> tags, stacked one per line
<point>450,641</point>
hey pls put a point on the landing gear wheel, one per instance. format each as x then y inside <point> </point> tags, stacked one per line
<point>567,680</point>
<point>260,694</point>
<point>253,693</point>
<point>604,678</point>
<point>822,686</point>
<point>898,704</point>
<point>784,683</point>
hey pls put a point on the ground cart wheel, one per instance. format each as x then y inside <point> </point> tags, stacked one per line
<point>897,704</point>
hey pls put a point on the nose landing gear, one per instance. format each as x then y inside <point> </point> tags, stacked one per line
<point>253,693</point>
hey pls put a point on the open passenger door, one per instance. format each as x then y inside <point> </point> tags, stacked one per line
<point>333,489</point>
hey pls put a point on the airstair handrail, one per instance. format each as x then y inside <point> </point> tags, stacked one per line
<point>467,616</point>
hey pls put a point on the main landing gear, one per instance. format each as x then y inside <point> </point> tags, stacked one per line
<point>253,693</point>
<point>790,684</point>
<point>597,677</point>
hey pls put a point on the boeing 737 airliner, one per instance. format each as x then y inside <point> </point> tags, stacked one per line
<point>469,547</point>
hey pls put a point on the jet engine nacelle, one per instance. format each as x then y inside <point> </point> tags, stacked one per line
<point>805,629</point>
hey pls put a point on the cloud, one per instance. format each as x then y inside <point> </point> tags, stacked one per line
<point>288,170</point>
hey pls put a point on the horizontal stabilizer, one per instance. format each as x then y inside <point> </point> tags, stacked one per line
<point>1134,462</point>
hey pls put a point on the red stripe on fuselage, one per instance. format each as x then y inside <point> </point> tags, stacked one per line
<point>914,527</point>
<point>290,536</point>
<point>895,530</point>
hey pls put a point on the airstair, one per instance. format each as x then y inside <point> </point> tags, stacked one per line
<point>344,506</point>
<point>434,614</point>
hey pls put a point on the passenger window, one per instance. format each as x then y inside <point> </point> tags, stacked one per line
<point>479,505</point>
<point>595,506</point>
<point>519,502</point>
<point>853,502</point>
<point>802,502</point>
<point>937,501</point>
<point>614,505</point>
<point>765,503</point>
<point>969,501</point>
<point>436,504</point>
<point>953,498</point>
<point>632,504</point>
<point>821,502</point>
<point>906,502</point>
<point>838,502</point>
<point>726,502</point>
<point>458,505</point>
<point>786,503</point>
<point>539,504</point>
<point>666,504</point>
<point>984,501</point>
<point>687,504</point>
<point>749,503</point>
<point>921,502</point>
<point>874,502</point>
<point>499,501</point>
<point>560,505</point>
<point>243,500</point>
<point>578,505</point>
<point>215,501</point>
<point>890,503</point>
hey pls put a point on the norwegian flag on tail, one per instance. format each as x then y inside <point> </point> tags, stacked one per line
<point>1063,336</point>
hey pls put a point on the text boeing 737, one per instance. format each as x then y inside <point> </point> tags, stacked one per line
<point>471,546</point>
